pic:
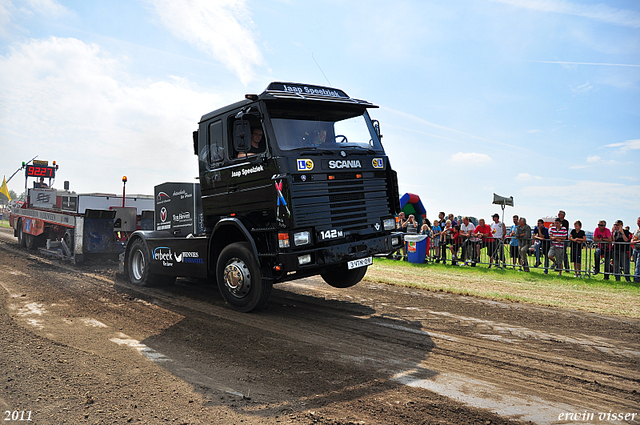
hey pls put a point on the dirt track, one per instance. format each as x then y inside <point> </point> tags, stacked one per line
<point>80,345</point>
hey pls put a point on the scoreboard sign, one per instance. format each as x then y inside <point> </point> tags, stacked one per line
<point>40,171</point>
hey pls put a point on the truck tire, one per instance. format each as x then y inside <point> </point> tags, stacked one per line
<point>138,263</point>
<point>341,277</point>
<point>68,239</point>
<point>21,241</point>
<point>29,241</point>
<point>239,279</point>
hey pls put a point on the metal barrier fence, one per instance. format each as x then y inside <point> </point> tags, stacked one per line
<point>583,260</point>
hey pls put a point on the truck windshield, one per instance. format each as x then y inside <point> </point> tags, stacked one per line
<point>326,133</point>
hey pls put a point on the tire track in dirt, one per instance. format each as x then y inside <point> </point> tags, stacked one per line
<point>451,345</point>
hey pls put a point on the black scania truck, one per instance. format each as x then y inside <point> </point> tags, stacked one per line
<point>294,182</point>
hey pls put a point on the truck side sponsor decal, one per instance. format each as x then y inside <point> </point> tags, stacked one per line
<point>163,218</point>
<point>247,171</point>
<point>164,254</point>
<point>189,257</point>
<point>162,198</point>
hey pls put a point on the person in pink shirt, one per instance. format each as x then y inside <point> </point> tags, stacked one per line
<point>602,235</point>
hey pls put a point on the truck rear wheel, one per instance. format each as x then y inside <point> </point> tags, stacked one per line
<point>138,264</point>
<point>341,277</point>
<point>239,279</point>
<point>30,241</point>
<point>21,240</point>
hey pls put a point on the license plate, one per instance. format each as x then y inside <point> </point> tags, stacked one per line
<point>361,262</point>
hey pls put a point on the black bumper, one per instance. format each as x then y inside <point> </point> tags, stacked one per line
<point>323,257</point>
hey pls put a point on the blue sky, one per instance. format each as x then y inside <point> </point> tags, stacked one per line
<point>535,99</point>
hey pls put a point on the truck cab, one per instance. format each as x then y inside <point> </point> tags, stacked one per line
<point>293,182</point>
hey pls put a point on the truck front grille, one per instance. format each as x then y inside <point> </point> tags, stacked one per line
<point>345,203</point>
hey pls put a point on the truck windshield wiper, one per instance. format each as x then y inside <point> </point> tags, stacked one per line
<point>314,150</point>
<point>367,150</point>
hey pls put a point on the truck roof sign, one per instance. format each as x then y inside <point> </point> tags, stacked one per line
<point>280,90</point>
<point>305,89</point>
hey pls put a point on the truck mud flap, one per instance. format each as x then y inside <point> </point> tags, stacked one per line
<point>98,236</point>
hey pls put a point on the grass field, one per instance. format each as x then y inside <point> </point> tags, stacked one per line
<point>4,223</point>
<point>593,295</point>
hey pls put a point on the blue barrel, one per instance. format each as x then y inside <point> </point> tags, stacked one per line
<point>416,248</point>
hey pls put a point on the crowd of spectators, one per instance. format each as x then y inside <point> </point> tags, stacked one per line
<point>461,242</point>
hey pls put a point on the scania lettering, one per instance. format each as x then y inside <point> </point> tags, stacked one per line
<point>345,164</point>
<point>293,182</point>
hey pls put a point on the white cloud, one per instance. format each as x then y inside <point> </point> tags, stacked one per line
<point>526,177</point>
<point>220,28</point>
<point>583,88</point>
<point>534,131</point>
<point>593,158</point>
<point>46,7</point>
<point>5,18</point>
<point>471,158</point>
<point>9,10</point>
<point>600,12</point>
<point>628,145</point>
<point>68,101</point>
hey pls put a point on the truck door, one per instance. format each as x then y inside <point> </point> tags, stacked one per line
<point>250,186</point>
<point>214,186</point>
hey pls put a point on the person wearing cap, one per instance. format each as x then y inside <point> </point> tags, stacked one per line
<point>603,235</point>
<point>499,232</point>
<point>621,250</point>
<point>558,235</point>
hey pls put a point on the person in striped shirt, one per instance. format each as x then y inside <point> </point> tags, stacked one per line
<point>558,235</point>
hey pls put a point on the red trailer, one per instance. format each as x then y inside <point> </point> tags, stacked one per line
<point>71,225</point>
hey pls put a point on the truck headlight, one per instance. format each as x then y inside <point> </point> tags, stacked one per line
<point>395,241</point>
<point>301,238</point>
<point>304,259</point>
<point>389,223</point>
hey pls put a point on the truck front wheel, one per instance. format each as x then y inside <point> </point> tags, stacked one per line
<point>239,278</point>
<point>341,277</point>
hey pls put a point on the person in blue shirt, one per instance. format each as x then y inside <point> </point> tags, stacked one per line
<point>513,242</point>
<point>436,230</point>
<point>541,236</point>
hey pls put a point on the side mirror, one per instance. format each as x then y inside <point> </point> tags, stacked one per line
<point>195,142</point>
<point>241,136</point>
<point>376,127</point>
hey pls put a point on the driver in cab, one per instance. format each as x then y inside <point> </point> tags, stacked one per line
<point>257,143</point>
